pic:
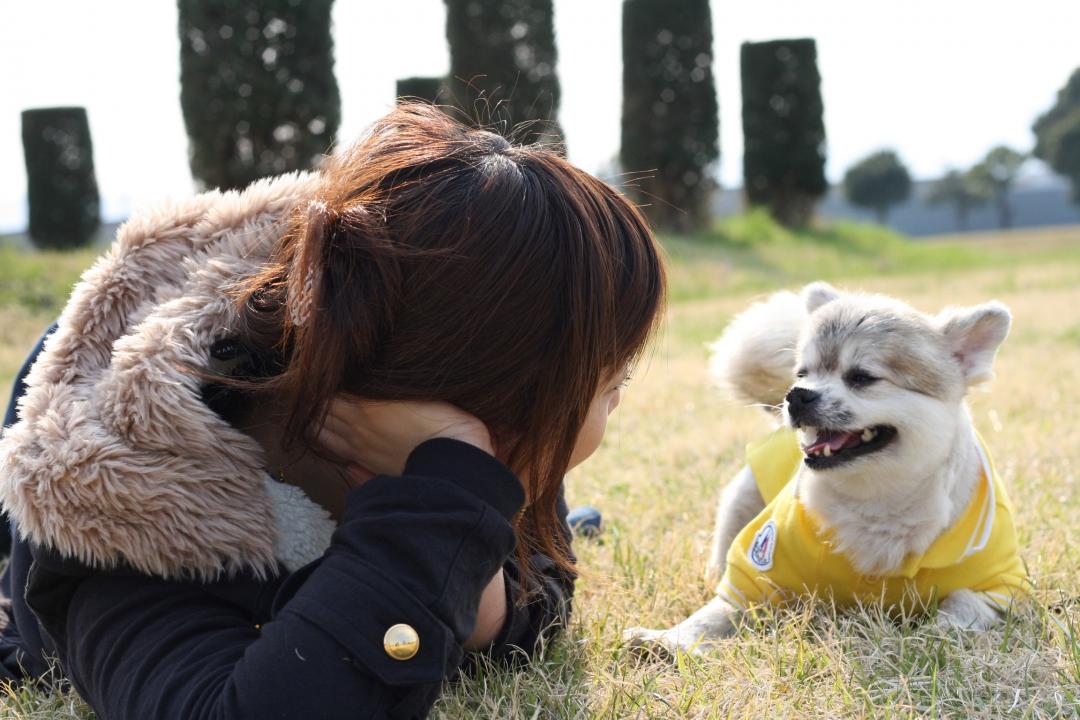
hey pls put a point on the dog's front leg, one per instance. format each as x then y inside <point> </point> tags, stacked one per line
<point>697,633</point>
<point>967,610</point>
<point>740,503</point>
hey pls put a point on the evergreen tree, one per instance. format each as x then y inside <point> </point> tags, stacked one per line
<point>1057,134</point>
<point>783,129</point>
<point>257,87</point>
<point>502,66</point>
<point>994,176</point>
<point>61,187</point>
<point>670,120</point>
<point>878,182</point>
<point>431,89</point>
<point>957,189</point>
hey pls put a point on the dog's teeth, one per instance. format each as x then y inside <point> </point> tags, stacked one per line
<point>827,452</point>
<point>868,435</point>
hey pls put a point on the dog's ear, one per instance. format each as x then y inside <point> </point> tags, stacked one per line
<point>973,335</point>
<point>817,294</point>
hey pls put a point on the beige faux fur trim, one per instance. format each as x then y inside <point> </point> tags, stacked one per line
<point>115,457</point>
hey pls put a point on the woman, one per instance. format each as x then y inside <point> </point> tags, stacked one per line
<point>290,451</point>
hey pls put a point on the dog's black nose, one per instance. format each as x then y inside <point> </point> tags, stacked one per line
<point>801,398</point>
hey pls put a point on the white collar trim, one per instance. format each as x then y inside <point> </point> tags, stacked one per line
<point>981,536</point>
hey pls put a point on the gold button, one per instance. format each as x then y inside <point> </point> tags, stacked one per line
<point>401,642</point>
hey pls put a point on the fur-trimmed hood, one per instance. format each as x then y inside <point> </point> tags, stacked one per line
<point>115,458</point>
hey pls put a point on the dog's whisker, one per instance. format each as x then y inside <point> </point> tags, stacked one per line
<point>767,406</point>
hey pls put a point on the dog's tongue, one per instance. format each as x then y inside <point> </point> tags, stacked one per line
<point>835,439</point>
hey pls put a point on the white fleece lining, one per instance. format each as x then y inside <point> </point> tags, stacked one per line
<point>303,527</point>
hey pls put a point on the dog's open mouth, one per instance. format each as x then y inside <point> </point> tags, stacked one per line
<point>830,448</point>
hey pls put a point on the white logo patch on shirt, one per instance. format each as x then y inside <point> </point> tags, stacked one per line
<point>761,550</point>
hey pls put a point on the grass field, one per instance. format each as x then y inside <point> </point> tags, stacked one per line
<point>674,442</point>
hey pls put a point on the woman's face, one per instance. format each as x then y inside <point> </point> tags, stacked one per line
<point>603,404</point>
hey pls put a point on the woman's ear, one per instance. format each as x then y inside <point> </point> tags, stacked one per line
<point>973,335</point>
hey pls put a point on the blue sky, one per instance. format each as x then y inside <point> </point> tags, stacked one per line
<point>939,81</point>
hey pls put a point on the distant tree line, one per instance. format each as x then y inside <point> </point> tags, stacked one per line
<point>881,180</point>
<point>259,97</point>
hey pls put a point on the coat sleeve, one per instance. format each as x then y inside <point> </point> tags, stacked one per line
<point>538,604</point>
<point>417,549</point>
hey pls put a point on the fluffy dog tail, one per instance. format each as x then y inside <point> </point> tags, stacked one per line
<point>754,359</point>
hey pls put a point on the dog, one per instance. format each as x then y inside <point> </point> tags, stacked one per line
<point>875,486</point>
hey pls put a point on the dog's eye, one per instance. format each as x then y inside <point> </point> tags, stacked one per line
<point>859,378</point>
<point>801,373</point>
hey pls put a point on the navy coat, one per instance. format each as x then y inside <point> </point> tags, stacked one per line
<point>416,549</point>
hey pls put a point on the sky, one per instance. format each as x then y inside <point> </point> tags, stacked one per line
<point>940,81</point>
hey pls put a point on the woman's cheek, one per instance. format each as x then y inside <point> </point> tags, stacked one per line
<point>592,432</point>
<point>616,398</point>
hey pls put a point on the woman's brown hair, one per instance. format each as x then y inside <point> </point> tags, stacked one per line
<point>442,262</point>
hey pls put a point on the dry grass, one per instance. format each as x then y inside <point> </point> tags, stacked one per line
<point>673,444</point>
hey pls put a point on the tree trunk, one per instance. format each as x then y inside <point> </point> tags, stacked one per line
<point>792,209</point>
<point>1004,210</point>
<point>962,216</point>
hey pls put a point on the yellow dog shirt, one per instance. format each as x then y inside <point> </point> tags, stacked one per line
<point>784,550</point>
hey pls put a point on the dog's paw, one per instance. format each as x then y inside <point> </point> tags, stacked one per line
<point>665,643</point>
<point>637,637</point>
<point>966,610</point>
<point>949,621</point>
<point>695,635</point>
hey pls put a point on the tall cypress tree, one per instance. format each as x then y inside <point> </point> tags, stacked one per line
<point>783,128</point>
<point>502,66</point>
<point>61,187</point>
<point>257,87</point>
<point>670,121</point>
<point>431,89</point>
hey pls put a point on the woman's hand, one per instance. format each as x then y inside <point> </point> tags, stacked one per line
<point>374,437</point>
<point>490,616</point>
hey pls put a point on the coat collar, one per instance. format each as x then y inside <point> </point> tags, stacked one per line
<point>115,458</point>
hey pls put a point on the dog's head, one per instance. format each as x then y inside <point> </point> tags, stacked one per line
<point>879,386</point>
